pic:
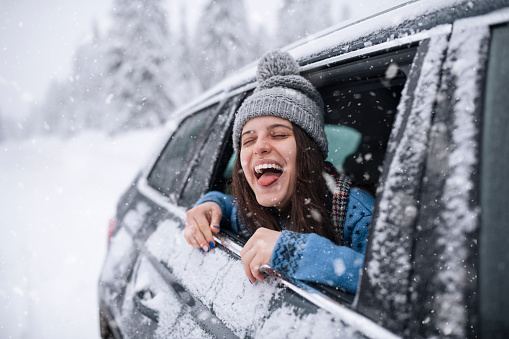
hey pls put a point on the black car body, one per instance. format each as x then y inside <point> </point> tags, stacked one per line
<point>416,110</point>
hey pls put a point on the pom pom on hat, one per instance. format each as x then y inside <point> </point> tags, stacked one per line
<point>276,63</point>
<point>284,93</point>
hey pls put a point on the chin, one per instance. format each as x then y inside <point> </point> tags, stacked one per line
<point>269,202</point>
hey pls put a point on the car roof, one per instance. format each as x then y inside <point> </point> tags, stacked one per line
<point>402,21</point>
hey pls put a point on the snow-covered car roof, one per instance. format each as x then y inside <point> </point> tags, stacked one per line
<point>410,19</point>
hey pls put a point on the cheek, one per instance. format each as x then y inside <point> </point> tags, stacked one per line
<point>291,153</point>
<point>291,158</point>
<point>244,163</point>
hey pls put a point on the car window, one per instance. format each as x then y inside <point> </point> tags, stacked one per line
<point>493,254</point>
<point>205,160</point>
<point>361,102</point>
<point>170,169</point>
<point>359,115</point>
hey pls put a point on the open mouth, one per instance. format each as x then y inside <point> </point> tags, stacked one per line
<point>267,174</point>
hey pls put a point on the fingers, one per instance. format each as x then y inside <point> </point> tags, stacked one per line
<point>203,234</point>
<point>249,265</point>
<point>215,218</point>
<point>257,252</point>
<point>199,225</point>
<point>192,236</point>
<point>252,261</point>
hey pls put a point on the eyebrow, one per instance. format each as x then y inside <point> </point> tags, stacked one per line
<point>270,128</point>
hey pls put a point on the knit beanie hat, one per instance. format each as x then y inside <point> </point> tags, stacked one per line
<point>283,92</point>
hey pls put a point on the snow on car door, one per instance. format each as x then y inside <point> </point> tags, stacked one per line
<point>385,283</point>
<point>445,279</point>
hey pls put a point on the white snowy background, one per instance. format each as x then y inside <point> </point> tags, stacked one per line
<point>60,174</point>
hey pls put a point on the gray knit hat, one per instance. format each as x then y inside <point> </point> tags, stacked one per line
<point>284,93</point>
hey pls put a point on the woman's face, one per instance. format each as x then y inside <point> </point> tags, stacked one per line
<point>268,154</point>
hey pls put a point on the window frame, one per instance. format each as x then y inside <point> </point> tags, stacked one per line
<point>322,77</point>
<point>196,146</point>
<point>494,232</point>
<point>220,146</point>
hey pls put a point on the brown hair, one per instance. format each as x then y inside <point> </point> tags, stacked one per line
<point>308,210</point>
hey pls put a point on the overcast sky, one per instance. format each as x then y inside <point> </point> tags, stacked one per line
<point>38,38</point>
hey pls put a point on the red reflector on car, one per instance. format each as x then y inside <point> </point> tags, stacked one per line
<point>111,228</point>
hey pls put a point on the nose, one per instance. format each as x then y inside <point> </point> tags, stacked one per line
<point>262,146</point>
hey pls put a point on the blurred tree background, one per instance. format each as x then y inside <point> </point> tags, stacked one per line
<point>138,72</point>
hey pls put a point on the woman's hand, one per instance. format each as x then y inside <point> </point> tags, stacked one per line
<point>258,251</point>
<point>201,222</point>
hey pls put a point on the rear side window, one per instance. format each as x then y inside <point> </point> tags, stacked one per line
<point>169,171</point>
<point>217,142</point>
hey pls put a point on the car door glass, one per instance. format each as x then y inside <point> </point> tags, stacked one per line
<point>205,161</point>
<point>440,215</point>
<point>170,168</point>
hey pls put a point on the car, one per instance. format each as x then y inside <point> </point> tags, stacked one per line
<point>416,104</point>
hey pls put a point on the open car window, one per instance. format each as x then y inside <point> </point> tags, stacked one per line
<point>361,99</point>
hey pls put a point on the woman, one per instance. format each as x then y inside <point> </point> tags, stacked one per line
<point>281,197</point>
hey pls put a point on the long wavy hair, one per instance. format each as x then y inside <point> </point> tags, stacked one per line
<point>308,210</point>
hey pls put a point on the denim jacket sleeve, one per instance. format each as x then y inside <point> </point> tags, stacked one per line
<point>309,257</point>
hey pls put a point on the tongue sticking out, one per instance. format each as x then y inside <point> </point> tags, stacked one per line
<point>268,178</point>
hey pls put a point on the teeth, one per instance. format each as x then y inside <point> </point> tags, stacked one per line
<point>259,169</point>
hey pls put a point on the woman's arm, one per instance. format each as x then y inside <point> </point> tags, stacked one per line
<point>229,217</point>
<point>306,257</point>
<point>309,257</point>
<point>213,210</point>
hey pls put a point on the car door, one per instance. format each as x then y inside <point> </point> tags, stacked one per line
<point>361,93</point>
<point>128,284</point>
<point>448,279</point>
<point>422,268</point>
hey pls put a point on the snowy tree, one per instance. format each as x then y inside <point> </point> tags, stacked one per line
<point>73,104</point>
<point>299,18</point>
<point>223,41</point>
<point>137,66</point>
<point>184,81</point>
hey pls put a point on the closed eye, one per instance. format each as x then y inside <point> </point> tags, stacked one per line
<point>279,134</point>
<point>247,141</point>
